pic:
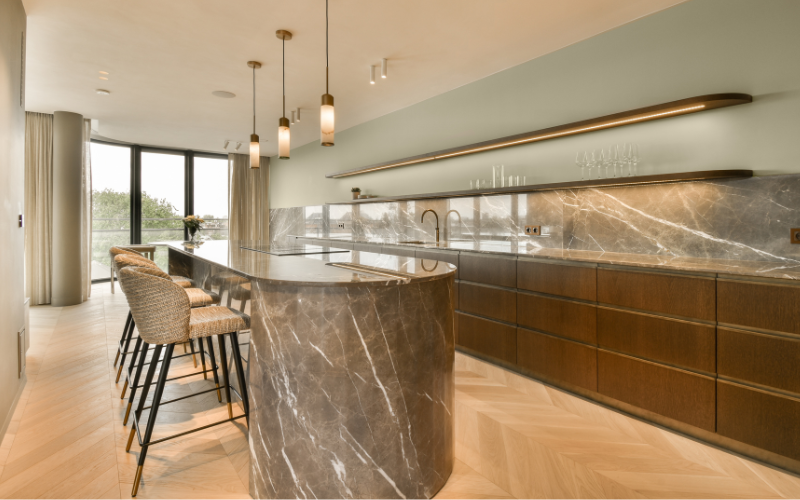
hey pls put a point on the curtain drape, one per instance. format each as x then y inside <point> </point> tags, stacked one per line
<point>38,206</point>
<point>248,200</point>
<point>86,212</point>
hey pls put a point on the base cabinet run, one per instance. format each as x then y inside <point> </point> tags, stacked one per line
<point>689,350</point>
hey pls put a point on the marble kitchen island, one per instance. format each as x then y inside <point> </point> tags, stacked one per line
<point>351,381</point>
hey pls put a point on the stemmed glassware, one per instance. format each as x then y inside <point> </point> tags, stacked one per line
<point>581,161</point>
<point>635,158</point>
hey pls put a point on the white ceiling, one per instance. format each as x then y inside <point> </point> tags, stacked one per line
<point>166,57</point>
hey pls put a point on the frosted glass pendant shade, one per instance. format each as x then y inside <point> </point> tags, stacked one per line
<point>326,122</point>
<point>284,139</point>
<point>255,152</point>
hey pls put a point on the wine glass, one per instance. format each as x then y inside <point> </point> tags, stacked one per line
<point>591,163</point>
<point>625,158</point>
<point>581,161</point>
<point>602,161</point>
<point>635,158</point>
<point>615,161</point>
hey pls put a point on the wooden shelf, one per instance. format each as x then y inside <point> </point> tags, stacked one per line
<point>706,175</point>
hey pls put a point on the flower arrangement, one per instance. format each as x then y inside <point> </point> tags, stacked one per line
<point>356,191</point>
<point>193,223</point>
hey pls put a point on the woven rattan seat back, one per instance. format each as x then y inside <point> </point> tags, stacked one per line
<point>123,260</point>
<point>114,251</point>
<point>160,308</point>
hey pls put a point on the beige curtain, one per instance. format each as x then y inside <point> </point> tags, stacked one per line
<point>86,213</point>
<point>38,206</point>
<point>248,201</point>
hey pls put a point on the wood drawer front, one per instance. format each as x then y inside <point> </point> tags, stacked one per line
<point>566,318</point>
<point>681,343</point>
<point>401,251</point>
<point>762,359</point>
<point>487,337</point>
<point>759,305</point>
<point>687,296</point>
<point>758,418</point>
<point>666,391</point>
<point>498,271</point>
<point>487,301</point>
<point>554,279</point>
<point>449,257</point>
<point>557,359</point>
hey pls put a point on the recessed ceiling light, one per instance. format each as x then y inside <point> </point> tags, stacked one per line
<point>224,94</point>
<point>103,92</point>
<point>103,78</point>
<point>103,72</point>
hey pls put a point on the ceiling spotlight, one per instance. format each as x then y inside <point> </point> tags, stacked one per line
<point>238,145</point>
<point>384,68</point>
<point>372,75</point>
<point>298,115</point>
<point>226,144</point>
<point>223,94</point>
<point>103,72</point>
<point>103,78</point>
<point>103,92</point>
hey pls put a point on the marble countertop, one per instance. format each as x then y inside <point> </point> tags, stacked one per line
<point>316,269</point>
<point>786,269</point>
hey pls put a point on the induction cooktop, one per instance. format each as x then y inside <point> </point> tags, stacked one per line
<point>293,250</point>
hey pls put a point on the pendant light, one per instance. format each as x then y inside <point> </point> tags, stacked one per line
<point>255,149</point>
<point>284,134</point>
<point>326,115</point>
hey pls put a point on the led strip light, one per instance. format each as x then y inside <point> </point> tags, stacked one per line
<point>684,106</point>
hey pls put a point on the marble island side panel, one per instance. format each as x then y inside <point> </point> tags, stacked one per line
<point>352,390</point>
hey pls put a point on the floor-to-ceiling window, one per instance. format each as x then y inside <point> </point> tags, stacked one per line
<point>211,195</point>
<point>111,203</point>
<point>140,194</point>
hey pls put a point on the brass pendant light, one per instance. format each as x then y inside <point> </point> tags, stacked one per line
<point>284,134</point>
<point>326,115</point>
<point>255,148</point>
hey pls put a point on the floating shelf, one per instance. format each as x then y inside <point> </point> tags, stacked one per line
<point>640,115</point>
<point>706,175</point>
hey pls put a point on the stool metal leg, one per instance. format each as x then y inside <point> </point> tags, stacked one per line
<point>237,357</point>
<point>202,357</point>
<point>135,383</point>
<point>122,339</point>
<point>194,357</point>
<point>125,349</point>
<point>133,360</point>
<point>151,420</point>
<point>223,360</point>
<point>213,361</point>
<point>148,379</point>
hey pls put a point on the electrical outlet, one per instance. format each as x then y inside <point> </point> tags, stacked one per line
<point>341,225</point>
<point>796,235</point>
<point>533,230</point>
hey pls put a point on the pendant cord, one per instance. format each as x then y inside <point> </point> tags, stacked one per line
<point>284,76</point>
<point>254,99</point>
<point>326,46</point>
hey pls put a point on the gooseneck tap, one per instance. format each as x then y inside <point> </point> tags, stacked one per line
<point>446,219</point>
<point>422,219</point>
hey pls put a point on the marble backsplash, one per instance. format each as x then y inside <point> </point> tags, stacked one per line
<point>742,219</point>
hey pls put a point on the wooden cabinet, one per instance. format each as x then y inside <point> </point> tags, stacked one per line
<point>578,282</point>
<point>759,305</point>
<point>487,337</point>
<point>670,392</point>
<point>492,302</point>
<point>676,342</point>
<point>763,359</point>
<point>759,418</point>
<point>557,359</point>
<point>686,296</point>
<point>565,318</point>
<point>488,270</point>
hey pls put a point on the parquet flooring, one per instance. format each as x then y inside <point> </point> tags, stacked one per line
<point>515,437</point>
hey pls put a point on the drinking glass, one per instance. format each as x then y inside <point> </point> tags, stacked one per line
<point>581,161</point>
<point>614,159</point>
<point>602,163</point>
<point>625,158</point>
<point>592,163</point>
<point>635,158</point>
<point>516,181</point>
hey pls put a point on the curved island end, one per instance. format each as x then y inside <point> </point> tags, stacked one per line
<point>351,376</point>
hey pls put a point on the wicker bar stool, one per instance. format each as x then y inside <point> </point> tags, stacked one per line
<point>199,298</point>
<point>164,317</point>
<point>147,251</point>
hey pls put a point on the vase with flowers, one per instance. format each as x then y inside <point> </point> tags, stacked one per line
<point>193,223</point>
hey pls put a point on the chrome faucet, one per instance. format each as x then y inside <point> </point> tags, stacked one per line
<point>422,219</point>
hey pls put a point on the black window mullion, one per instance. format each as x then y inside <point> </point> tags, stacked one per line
<point>188,188</point>
<point>136,194</point>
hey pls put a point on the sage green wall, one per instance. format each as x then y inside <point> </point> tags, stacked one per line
<point>12,144</point>
<point>698,47</point>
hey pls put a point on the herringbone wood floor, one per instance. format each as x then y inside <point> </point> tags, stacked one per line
<point>66,439</point>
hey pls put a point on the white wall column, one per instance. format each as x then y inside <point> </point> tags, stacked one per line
<point>67,168</point>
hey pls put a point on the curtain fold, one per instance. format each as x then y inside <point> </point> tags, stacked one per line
<point>248,200</point>
<point>86,212</point>
<point>38,206</point>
